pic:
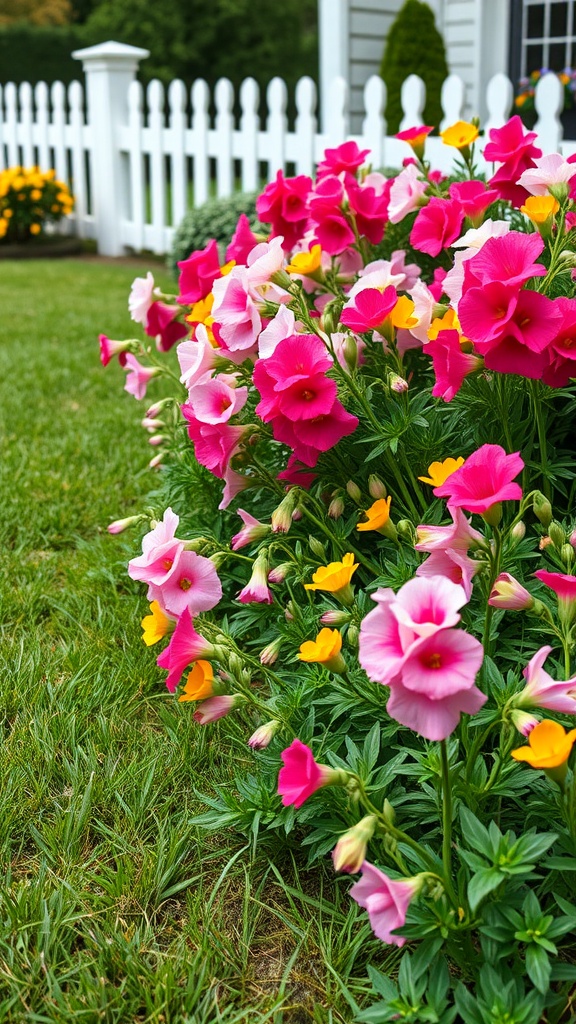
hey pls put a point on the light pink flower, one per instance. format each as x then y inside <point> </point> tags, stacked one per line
<point>411,271</point>
<point>251,531</point>
<point>405,194</point>
<point>426,605</point>
<point>192,583</point>
<point>508,593</point>
<point>541,691</point>
<point>430,717</point>
<point>214,708</point>
<point>217,399</point>
<point>485,479</point>
<point>160,548</point>
<point>301,775</point>
<point>454,564</point>
<point>549,170</point>
<point>282,326</point>
<point>386,900</point>
<point>257,590</point>
<point>235,311</point>
<point>197,358</point>
<point>460,535</point>
<point>185,647</point>
<point>379,274</point>
<point>140,298</point>
<point>138,376</point>
<point>266,259</point>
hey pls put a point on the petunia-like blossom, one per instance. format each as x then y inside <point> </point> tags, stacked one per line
<point>549,748</point>
<point>564,586</point>
<point>110,348</point>
<point>160,548</point>
<point>461,135</point>
<point>440,471</point>
<point>257,590</point>
<point>368,310</point>
<point>197,358</point>
<point>511,142</point>
<point>191,583</point>
<point>199,682</point>
<point>406,193</point>
<point>198,273</point>
<point>549,171</point>
<point>243,241</point>
<point>140,298</point>
<point>485,479</point>
<point>509,258</point>
<point>416,138</point>
<point>369,203</point>
<point>508,593</point>
<point>435,718</point>
<point>284,205</point>
<point>282,326</point>
<point>437,225</point>
<point>163,325</point>
<point>214,708</point>
<point>138,376</point>
<point>346,157</point>
<point>451,364</point>
<point>252,530</point>
<point>334,578</point>
<point>459,536</point>
<point>186,646</point>
<point>386,900</point>
<point>473,197</point>
<point>217,399</point>
<point>541,691</point>
<point>454,564</point>
<point>301,775</point>
<point>235,311</point>
<point>377,517</point>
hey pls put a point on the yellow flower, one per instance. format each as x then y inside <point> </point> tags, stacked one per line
<point>448,322</point>
<point>199,682</point>
<point>3,227</point>
<point>550,746</point>
<point>378,515</point>
<point>540,208</point>
<point>324,650</point>
<point>305,262</point>
<point>156,625</point>
<point>403,313</point>
<point>35,229</point>
<point>440,471</point>
<point>35,194</point>
<point>227,267</point>
<point>201,311</point>
<point>335,577</point>
<point>459,135</point>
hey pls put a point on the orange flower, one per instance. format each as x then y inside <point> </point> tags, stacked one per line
<point>440,471</point>
<point>460,135</point>
<point>199,682</point>
<point>550,748</point>
<point>378,516</point>
<point>540,208</point>
<point>335,578</point>
<point>448,322</point>
<point>403,313</point>
<point>324,650</point>
<point>306,263</point>
<point>156,625</point>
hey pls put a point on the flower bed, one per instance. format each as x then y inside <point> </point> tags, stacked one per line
<point>380,619</point>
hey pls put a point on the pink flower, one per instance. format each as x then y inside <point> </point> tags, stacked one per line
<point>140,298</point>
<point>541,691</point>
<point>235,310</point>
<point>460,535</point>
<point>138,376</point>
<point>160,548</point>
<point>296,474</point>
<point>431,717</point>
<point>301,775</point>
<point>163,325</point>
<point>216,400</point>
<point>369,203</point>
<point>214,708</point>
<point>214,444</point>
<point>562,350</point>
<point>508,593</point>
<point>110,348</point>
<point>369,309</point>
<point>509,258</point>
<point>252,530</point>
<point>405,193</point>
<point>484,480</point>
<point>386,901</point>
<point>331,228</point>
<point>243,241</point>
<point>451,365</point>
<point>549,170</point>
<point>185,647</point>
<point>257,590</point>
<point>191,583</point>
<point>473,197</point>
<point>284,205</point>
<point>198,273</point>
<point>346,157</point>
<point>197,358</point>
<point>564,587</point>
<point>264,735</point>
<point>511,143</point>
<point>282,326</point>
<point>454,564</point>
<point>437,226</point>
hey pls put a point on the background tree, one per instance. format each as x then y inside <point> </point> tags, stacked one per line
<point>414,47</point>
<point>35,12</point>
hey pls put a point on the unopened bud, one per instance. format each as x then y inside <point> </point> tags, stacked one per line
<point>235,663</point>
<point>376,487</point>
<point>151,424</point>
<point>336,617</point>
<point>567,554</point>
<point>157,408</point>
<point>289,612</point>
<point>572,538</point>
<point>282,516</point>
<point>218,558</point>
<point>155,462</point>
<point>157,439</point>
<point>260,739</point>
<point>317,548</point>
<point>354,492</point>
<point>350,851</point>
<point>388,812</point>
<point>406,529</point>
<point>331,316</point>
<point>119,525</point>
<point>269,654</point>
<point>518,532</point>
<point>557,534</point>
<point>352,636</point>
<point>523,721</point>
<point>336,507</point>
<point>350,352</point>
<point>542,509</point>
<point>397,383</point>
<point>279,573</point>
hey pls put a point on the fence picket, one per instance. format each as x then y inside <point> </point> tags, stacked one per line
<point>79,186</point>
<point>25,98</point>
<point>136,160</point>
<point>247,136</point>
<point>155,98</point>
<point>12,124</point>
<point>276,125</point>
<point>177,104</point>
<point>413,101</point>
<point>199,140</point>
<point>453,100</point>
<point>549,102</point>
<point>41,100</point>
<point>374,124</point>
<point>499,100</point>
<point>224,99</point>
<point>306,125</point>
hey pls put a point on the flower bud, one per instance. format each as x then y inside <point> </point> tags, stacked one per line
<point>269,654</point>
<point>352,636</point>
<point>279,573</point>
<point>260,739</point>
<point>289,612</point>
<point>376,487</point>
<point>157,439</point>
<point>572,538</point>
<point>557,534</point>
<point>350,352</point>
<point>542,509</point>
<point>119,525</point>
<point>523,721</point>
<point>155,462</point>
<point>350,851</point>
<point>406,529</point>
<point>518,532</point>
<point>235,663</point>
<point>336,507</point>
<point>567,554</point>
<point>317,548</point>
<point>388,812</point>
<point>151,424</point>
<point>354,492</point>
<point>397,383</point>
<point>156,409</point>
<point>508,593</point>
<point>282,516</point>
<point>336,617</point>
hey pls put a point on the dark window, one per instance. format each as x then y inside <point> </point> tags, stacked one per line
<point>558,19</point>
<point>542,35</point>
<point>535,21</point>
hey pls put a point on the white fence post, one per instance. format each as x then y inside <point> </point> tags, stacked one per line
<point>110,68</point>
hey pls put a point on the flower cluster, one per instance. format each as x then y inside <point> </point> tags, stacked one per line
<point>397,422</point>
<point>29,199</point>
<point>526,94</point>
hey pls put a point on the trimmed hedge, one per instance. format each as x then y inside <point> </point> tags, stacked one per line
<point>215,219</point>
<point>32,53</point>
<point>414,47</point>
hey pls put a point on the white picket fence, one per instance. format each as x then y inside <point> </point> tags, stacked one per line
<point>137,161</point>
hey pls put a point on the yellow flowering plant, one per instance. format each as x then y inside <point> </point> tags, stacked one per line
<point>30,199</point>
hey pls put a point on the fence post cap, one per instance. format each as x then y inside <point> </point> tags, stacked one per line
<point>119,55</point>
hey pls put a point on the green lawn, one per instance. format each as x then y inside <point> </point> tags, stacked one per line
<point>114,906</point>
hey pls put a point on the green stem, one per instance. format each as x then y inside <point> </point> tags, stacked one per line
<point>447,822</point>
<point>494,570</point>
<point>541,428</point>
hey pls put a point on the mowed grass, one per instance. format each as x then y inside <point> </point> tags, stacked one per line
<point>114,906</point>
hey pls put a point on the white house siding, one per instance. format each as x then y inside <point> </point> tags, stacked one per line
<point>369,24</point>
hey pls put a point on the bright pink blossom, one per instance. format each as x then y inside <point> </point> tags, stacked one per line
<point>386,900</point>
<point>217,399</point>
<point>437,225</point>
<point>563,585</point>
<point>192,583</point>
<point>198,273</point>
<point>508,593</point>
<point>163,325</point>
<point>185,647</point>
<point>284,205</point>
<point>512,147</point>
<point>484,480</point>
<point>243,241</point>
<point>235,311</point>
<point>138,376</point>
<point>368,310</point>
<point>346,157</point>
<point>369,203</point>
<point>451,364</point>
<point>110,348</point>
<point>251,531</point>
<point>541,691</point>
<point>473,197</point>
<point>301,775</point>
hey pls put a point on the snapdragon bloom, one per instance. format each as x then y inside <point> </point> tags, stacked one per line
<point>541,691</point>
<point>386,900</point>
<point>301,775</point>
<point>485,479</point>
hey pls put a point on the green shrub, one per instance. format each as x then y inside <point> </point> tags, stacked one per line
<point>215,219</point>
<point>414,47</point>
<point>32,53</point>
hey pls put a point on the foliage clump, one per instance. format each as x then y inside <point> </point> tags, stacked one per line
<point>217,219</point>
<point>414,47</point>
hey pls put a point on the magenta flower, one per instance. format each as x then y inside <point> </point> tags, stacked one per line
<point>214,708</point>
<point>368,310</point>
<point>110,348</point>
<point>346,157</point>
<point>541,691</point>
<point>284,205</point>
<point>511,143</point>
<point>386,900</point>
<point>451,365</point>
<point>509,258</point>
<point>243,241</point>
<point>163,325</point>
<point>192,583</point>
<point>198,273</point>
<point>369,203</point>
<point>437,226</point>
<point>508,593</point>
<point>484,480</point>
<point>473,196</point>
<point>564,587</point>
<point>301,775</point>
<point>185,647</point>
<point>138,376</point>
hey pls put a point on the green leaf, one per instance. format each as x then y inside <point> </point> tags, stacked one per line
<point>474,832</point>
<point>467,1006</point>
<point>530,848</point>
<point>538,968</point>
<point>383,985</point>
<point>560,863</point>
<point>481,884</point>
